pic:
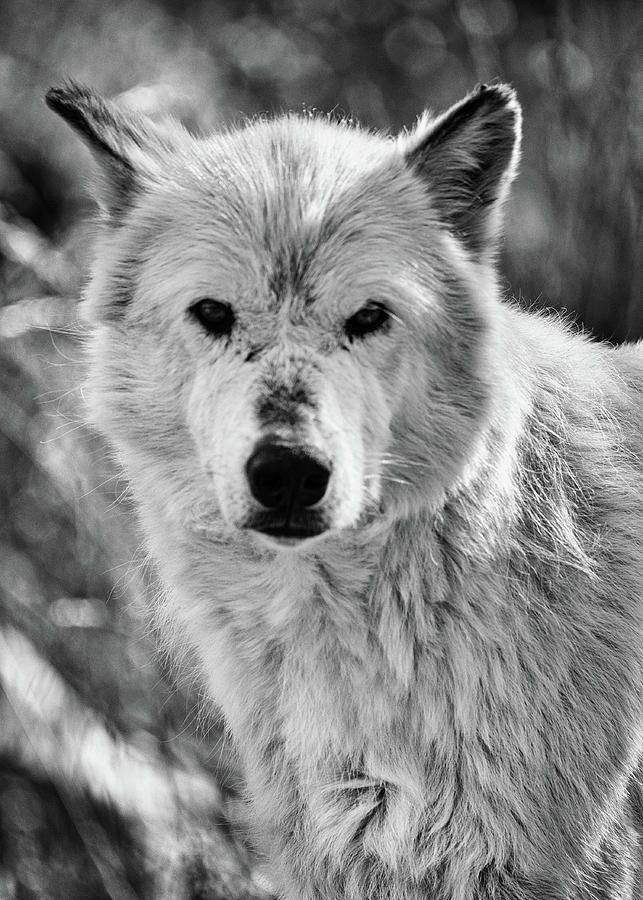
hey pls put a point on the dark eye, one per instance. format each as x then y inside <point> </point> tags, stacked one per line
<point>214,315</point>
<point>366,320</point>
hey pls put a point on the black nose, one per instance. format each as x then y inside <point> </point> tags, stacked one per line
<point>286,479</point>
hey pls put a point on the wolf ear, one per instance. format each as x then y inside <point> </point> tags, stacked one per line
<point>127,146</point>
<point>467,158</point>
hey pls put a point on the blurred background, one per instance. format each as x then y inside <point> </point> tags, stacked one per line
<point>112,785</point>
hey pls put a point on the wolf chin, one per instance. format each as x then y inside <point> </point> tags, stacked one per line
<point>397,519</point>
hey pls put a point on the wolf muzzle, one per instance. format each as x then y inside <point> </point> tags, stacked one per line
<point>287,482</point>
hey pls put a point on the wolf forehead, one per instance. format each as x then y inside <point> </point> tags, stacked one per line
<point>282,190</point>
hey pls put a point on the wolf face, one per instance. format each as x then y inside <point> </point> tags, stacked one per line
<point>296,310</point>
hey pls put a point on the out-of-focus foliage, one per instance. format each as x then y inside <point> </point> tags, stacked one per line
<point>104,789</point>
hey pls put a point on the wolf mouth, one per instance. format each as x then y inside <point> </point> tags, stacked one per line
<point>290,531</point>
<point>286,529</point>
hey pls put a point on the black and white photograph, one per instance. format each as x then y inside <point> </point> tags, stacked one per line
<point>321,450</point>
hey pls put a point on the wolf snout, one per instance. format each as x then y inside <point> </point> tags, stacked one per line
<point>287,482</point>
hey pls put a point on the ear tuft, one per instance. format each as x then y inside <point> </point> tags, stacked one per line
<point>127,146</point>
<point>467,158</point>
<point>89,115</point>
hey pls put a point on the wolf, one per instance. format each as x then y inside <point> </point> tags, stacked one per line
<point>397,519</point>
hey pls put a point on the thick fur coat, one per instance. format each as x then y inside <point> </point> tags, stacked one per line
<point>433,673</point>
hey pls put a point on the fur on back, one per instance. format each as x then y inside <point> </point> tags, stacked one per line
<point>439,695</point>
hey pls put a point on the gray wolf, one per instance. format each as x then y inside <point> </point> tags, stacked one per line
<point>397,519</point>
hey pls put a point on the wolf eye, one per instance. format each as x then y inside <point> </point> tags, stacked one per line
<point>214,315</point>
<point>366,320</point>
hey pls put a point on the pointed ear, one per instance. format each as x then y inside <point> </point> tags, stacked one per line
<point>467,158</point>
<point>128,147</point>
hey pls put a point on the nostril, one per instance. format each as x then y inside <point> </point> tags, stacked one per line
<point>267,476</point>
<point>286,478</point>
<point>313,482</point>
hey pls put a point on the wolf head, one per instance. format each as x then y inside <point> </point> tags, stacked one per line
<point>291,318</point>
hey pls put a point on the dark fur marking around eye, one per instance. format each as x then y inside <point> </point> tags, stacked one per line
<point>252,354</point>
